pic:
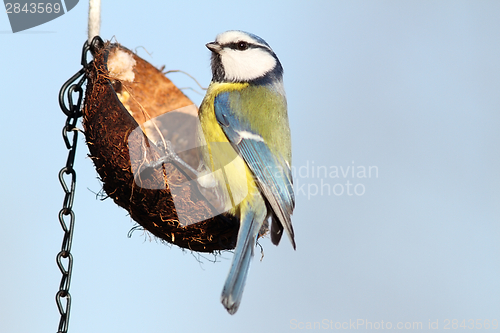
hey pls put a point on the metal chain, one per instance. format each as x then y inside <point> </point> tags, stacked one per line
<point>67,177</point>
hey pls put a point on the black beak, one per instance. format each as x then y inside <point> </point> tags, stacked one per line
<point>214,47</point>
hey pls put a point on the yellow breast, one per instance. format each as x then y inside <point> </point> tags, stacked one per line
<point>232,175</point>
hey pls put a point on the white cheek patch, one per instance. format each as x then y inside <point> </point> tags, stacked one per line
<point>246,65</point>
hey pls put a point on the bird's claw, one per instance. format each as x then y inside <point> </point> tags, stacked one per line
<point>169,156</point>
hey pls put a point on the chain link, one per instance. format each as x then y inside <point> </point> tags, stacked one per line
<point>67,177</point>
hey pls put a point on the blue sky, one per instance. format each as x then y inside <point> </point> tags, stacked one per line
<point>409,88</point>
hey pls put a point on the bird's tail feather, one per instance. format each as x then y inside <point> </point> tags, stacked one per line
<point>250,225</point>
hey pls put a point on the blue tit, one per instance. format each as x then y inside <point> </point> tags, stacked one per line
<point>244,121</point>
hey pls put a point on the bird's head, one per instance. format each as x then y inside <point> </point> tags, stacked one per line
<point>239,56</point>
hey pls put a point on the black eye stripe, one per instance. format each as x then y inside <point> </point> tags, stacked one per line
<point>239,45</point>
<point>242,45</point>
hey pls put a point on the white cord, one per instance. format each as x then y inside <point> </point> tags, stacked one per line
<point>94,18</point>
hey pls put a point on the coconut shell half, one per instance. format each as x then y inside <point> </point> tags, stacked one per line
<point>130,109</point>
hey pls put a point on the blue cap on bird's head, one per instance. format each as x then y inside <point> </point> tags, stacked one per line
<point>239,56</point>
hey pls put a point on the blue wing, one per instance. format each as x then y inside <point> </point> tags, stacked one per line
<point>272,173</point>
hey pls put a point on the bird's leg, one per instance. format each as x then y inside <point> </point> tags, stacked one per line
<point>169,156</point>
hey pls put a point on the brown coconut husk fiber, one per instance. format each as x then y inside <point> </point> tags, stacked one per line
<point>114,116</point>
